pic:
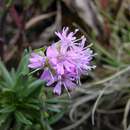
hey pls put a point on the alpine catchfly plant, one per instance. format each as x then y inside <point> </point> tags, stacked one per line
<point>63,62</point>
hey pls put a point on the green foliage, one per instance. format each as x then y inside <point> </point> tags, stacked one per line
<point>24,102</point>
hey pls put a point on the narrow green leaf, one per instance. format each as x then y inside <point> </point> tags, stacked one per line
<point>33,88</point>
<point>5,74</point>
<point>52,109</point>
<point>40,50</point>
<point>23,65</point>
<point>21,118</point>
<point>54,100</point>
<point>53,119</point>
<point>13,74</point>
<point>7,109</point>
<point>36,83</point>
<point>33,106</point>
<point>111,62</point>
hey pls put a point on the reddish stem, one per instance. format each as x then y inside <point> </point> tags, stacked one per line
<point>17,18</point>
<point>104,3</point>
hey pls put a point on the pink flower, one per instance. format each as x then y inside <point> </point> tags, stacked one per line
<point>64,62</point>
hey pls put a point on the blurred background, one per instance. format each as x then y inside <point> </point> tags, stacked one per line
<point>103,100</point>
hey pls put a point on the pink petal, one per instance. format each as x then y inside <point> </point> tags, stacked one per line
<point>52,51</point>
<point>47,76</point>
<point>60,69</point>
<point>57,88</point>
<point>34,65</point>
<point>69,84</point>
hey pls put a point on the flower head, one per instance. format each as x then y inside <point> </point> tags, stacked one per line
<point>59,58</point>
<point>64,62</point>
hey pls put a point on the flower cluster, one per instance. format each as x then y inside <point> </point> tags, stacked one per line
<point>64,61</point>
